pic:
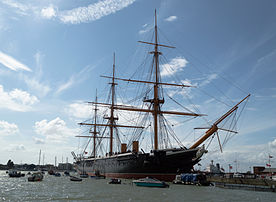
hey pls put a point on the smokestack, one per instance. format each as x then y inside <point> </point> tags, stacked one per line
<point>123,148</point>
<point>135,146</point>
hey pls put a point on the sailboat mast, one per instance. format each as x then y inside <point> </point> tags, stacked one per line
<point>95,127</point>
<point>39,157</point>
<point>112,120</point>
<point>156,94</point>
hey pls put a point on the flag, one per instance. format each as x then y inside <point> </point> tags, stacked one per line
<point>268,165</point>
<point>230,167</point>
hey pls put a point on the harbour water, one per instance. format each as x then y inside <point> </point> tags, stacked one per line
<point>62,189</point>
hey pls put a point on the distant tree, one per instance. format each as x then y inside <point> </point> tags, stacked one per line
<point>10,164</point>
<point>32,166</point>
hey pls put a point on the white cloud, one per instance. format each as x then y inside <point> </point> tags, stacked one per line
<point>54,130</point>
<point>146,28</point>
<point>208,80</point>
<point>16,147</point>
<point>273,143</point>
<point>38,140</point>
<point>49,12</point>
<point>79,110</point>
<point>17,100</point>
<point>23,97</point>
<point>8,128</point>
<point>171,18</point>
<point>174,66</point>
<point>12,63</point>
<point>246,156</point>
<point>93,11</point>
<point>39,88</point>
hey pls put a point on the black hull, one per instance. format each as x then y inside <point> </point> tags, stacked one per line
<point>161,164</point>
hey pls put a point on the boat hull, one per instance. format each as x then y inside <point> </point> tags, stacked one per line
<point>145,184</point>
<point>161,164</point>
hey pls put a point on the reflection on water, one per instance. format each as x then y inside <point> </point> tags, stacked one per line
<point>62,189</point>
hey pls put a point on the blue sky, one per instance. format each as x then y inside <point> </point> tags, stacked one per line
<point>53,52</point>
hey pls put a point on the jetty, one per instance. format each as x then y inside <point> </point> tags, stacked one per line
<point>258,184</point>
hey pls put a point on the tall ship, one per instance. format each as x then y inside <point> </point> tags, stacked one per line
<point>168,156</point>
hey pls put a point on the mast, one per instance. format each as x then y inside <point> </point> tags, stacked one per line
<point>112,107</point>
<point>95,127</point>
<point>112,119</point>
<point>156,94</point>
<point>39,157</point>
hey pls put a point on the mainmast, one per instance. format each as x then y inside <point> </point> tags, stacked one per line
<point>112,119</point>
<point>156,101</point>
<point>156,93</point>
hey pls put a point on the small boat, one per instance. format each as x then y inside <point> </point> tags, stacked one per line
<point>57,174</point>
<point>14,173</point>
<point>84,175</point>
<point>114,181</point>
<point>36,177</point>
<point>150,182</point>
<point>66,173</point>
<point>98,177</point>
<point>76,179</point>
<point>199,179</point>
<point>51,172</point>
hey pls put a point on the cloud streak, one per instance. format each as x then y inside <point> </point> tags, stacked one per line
<point>34,82</point>
<point>75,79</point>
<point>78,15</point>
<point>12,63</point>
<point>93,11</point>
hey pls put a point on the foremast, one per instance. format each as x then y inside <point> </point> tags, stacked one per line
<point>156,101</point>
<point>112,119</point>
